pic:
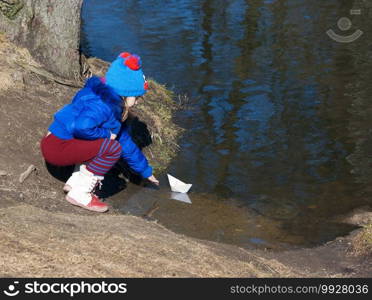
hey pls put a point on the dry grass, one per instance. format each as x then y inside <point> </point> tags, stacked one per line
<point>34,242</point>
<point>156,110</point>
<point>9,78</point>
<point>14,54</point>
<point>361,244</point>
<point>6,81</point>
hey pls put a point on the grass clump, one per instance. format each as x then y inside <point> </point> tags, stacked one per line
<point>361,244</point>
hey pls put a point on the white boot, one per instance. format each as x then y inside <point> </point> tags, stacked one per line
<point>82,194</point>
<point>72,180</point>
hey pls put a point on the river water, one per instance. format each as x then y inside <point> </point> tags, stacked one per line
<point>278,137</point>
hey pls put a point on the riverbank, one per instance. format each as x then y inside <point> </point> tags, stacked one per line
<point>43,235</point>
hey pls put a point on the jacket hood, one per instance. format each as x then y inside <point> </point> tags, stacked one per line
<point>106,94</point>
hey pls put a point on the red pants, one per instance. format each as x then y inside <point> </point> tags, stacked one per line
<point>99,155</point>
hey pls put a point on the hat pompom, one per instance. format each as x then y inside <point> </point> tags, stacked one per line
<point>124,54</point>
<point>125,76</point>
<point>133,62</point>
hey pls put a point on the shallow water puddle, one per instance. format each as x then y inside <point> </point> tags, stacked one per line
<point>216,219</point>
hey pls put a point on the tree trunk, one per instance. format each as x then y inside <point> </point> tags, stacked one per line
<point>50,29</point>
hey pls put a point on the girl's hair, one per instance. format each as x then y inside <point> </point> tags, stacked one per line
<point>125,113</point>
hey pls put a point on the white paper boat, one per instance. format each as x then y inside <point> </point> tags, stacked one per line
<point>181,197</point>
<point>177,185</point>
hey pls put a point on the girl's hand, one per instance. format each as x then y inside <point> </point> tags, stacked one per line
<point>153,180</point>
<point>113,136</point>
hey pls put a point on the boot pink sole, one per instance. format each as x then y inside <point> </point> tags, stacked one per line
<point>91,208</point>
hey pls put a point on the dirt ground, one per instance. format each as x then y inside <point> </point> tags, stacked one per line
<point>43,235</point>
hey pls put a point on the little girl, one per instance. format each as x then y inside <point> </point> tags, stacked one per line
<point>89,132</point>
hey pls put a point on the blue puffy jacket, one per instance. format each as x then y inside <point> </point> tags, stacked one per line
<point>94,113</point>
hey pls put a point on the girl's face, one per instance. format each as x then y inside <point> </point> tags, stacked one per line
<point>130,101</point>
